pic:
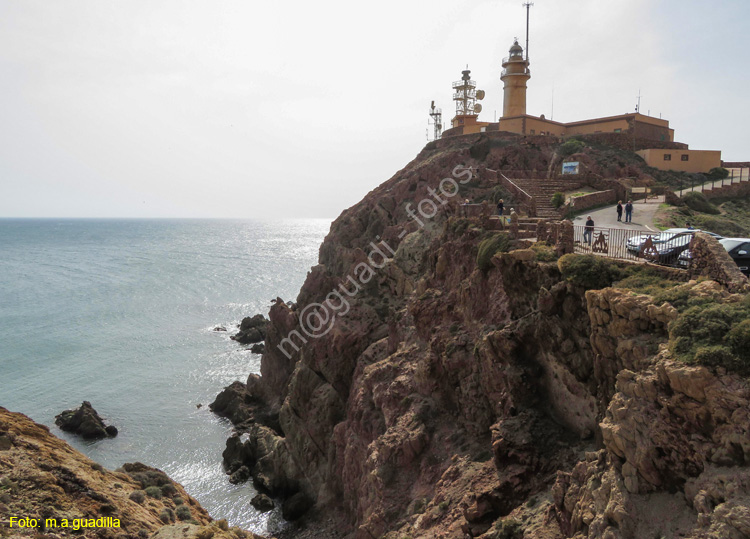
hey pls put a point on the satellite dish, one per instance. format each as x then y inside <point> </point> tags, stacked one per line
<point>477,108</point>
<point>480,94</point>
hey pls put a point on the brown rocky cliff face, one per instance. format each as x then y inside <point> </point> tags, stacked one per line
<point>43,477</point>
<point>452,402</point>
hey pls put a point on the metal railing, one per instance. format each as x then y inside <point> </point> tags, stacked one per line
<point>462,83</point>
<point>626,244</point>
<point>736,175</point>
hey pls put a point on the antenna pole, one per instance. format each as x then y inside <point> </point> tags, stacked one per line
<point>527,5</point>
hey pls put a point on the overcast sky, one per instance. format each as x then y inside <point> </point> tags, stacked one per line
<point>231,108</point>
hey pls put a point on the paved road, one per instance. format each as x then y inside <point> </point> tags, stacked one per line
<point>643,216</point>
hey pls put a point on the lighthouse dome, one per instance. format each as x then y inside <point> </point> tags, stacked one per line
<point>516,49</point>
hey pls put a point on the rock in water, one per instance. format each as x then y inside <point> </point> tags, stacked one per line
<point>85,422</point>
<point>262,503</point>
<point>252,330</point>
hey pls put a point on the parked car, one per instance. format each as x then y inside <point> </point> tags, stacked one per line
<point>738,249</point>
<point>635,243</point>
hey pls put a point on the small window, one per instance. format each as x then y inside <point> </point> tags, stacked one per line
<point>618,130</point>
<point>533,132</point>
<point>685,157</point>
<point>667,157</point>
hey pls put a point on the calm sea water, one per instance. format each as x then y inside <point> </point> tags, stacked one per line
<point>121,312</point>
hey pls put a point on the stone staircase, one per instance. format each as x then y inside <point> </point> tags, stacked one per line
<point>542,192</point>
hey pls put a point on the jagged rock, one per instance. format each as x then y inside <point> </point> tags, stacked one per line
<point>252,330</point>
<point>262,503</point>
<point>220,328</point>
<point>296,506</point>
<point>258,348</point>
<point>241,475</point>
<point>85,422</point>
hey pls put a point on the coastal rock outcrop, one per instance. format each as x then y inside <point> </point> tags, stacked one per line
<point>43,478</point>
<point>85,422</point>
<point>426,383</point>
<point>252,330</point>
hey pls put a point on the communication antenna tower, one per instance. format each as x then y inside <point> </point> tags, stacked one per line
<point>638,103</point>
<point>527,5</point>
<point>437,120</point>
<point>466,95</point>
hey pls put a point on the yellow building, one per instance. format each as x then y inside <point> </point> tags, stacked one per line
<point>682,160</point>
<point>515,76</point>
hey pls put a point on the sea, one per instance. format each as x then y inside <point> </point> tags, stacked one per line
<point>122,313</point>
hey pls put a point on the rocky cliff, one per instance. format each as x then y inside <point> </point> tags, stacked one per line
<point>428,384</point>
<point>55,491</point>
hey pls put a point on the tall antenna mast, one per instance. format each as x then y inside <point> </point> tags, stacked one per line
<point>437,121</point>
<point>527,5</point>
<point>638,104</point>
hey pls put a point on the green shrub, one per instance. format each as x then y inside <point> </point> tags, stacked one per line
<point>698,202</point>
<point>499,243</point>
<point>718,173</point>
<point>543,252</point>
<point>459,226</point>
<point>167,516</point>
<point>645,280</point>
<point>571,146</point>
<point>508,528</point>
<point>716,356</point>
<point>589,271</point>
<point>168,489</point>
<point>714,334</point>
<point>738,339</point>
<point>138,496</point>
<point>558,199</point>
<point>177,500</point>
<point>183,512</point>
<point>154,492</point>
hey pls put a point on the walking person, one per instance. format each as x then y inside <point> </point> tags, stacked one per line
<point>619,210</point>
<point>629,211</point>
<point>588,230</point>
<point>500,207</point>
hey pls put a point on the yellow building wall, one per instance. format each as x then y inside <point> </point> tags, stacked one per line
<point>697,160</point>
<point>605,126</point>
<point>530,125</point>
<point>537,126</point>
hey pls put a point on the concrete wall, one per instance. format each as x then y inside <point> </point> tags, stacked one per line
<point>591,200</point>
<point>697,160</point>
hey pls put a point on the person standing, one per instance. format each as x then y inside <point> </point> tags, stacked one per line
<point>500,206</point>
<point>619,210</point>
<point>629,211</point>
<point>588,230</point>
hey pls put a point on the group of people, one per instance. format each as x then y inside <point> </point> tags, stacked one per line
<point>588,229</point>
<point>628,211</point>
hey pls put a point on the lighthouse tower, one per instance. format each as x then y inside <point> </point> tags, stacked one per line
<point>514,76</point>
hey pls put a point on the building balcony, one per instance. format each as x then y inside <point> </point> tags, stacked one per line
<point>514,59</point>
<point>462,83</point>
<point>525,71</point>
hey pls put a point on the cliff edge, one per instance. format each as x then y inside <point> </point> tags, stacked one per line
<point>436,378</point>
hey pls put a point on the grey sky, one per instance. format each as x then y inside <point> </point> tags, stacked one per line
<point>298,109</point>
